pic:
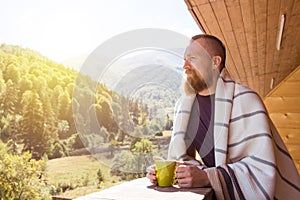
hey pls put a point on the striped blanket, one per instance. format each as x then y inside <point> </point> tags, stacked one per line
<point>252,162</point>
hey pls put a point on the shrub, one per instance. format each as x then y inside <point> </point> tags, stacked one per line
<point>21,177</point>
<point>57,151</point>
<point>86,180</point>
<point>100,176</point>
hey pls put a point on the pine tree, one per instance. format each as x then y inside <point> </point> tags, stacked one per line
<point>9,115</point>
<point>10,99</point>
<point>2,89</point>
<point>50,121</point>
<point>64,103</point>
<point>33,124</point>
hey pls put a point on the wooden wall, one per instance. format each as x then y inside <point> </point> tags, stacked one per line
<point>283,104</point>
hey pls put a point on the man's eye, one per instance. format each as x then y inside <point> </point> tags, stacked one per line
<point>192,58</point>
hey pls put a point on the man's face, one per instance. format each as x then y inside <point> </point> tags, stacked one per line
<point>198,67</point>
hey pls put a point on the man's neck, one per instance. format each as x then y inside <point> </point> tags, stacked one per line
<point>205,93</point>
<point>212,89</point>
<point>209,91</point>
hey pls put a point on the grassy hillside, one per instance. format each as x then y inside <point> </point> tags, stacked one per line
<point>80,173</point>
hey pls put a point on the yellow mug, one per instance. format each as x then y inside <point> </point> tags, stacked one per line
<point>165,172</point>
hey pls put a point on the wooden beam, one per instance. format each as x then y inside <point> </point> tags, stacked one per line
<point>272,29</point>
<point>294,150</point>
<point>225,33</point>
<point>290,135</point>
<point>283,104</point>
<point>260,9</point>
<point>286,120</point>
<point>288,89</point>
<point>247,10</point>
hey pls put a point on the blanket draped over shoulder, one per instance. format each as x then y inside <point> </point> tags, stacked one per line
<point>251,159</point>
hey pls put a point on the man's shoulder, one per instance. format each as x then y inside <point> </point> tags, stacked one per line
<point>241,88</point>
<point>243,95</point>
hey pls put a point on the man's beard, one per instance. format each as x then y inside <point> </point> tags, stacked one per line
<point>195,84</point>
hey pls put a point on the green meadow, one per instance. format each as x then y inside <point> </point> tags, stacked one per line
<point>79,173</point>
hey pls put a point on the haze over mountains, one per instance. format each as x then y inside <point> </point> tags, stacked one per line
<point>125,63</point>
<point>75,62</point>
<point>151,76</point>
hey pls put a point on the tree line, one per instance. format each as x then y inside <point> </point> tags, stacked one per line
<point>38,105</point>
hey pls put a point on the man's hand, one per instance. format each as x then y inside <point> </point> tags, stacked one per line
<point>189,175</point>
<point>151,175</point>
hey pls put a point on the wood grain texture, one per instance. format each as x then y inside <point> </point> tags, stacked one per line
<point>249,29</point>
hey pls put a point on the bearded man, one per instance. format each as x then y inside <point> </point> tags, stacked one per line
<point>241,153</point>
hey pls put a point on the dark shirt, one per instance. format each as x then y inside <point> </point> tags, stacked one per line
<point>202,121</point>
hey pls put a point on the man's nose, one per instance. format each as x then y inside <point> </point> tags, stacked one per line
<point>187,65</point>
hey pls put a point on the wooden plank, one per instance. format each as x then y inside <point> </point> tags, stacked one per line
<point>234,17</point>
<point>289,135</point>
<point>293,17</point>
<point>288,89</point>
<point>256,79</point>
<point>199,2</point>
<point>200,18</point>
<point>260,10</point>
<point>226,35</point>
<point>233,61</point>
<point>272,27</point>
<point>247,9</point>
<point>288,40</point>
<point>260,16</point>
<point>192,8</point>
<point>208,15</point>
<point>251,84</point>
<point>286,120</point>
<point>272,31</point>
<point>261,79</point>
<point>297,33</point>
<point>232,69</point>
<point>295,76</point>
<point>281,104</point>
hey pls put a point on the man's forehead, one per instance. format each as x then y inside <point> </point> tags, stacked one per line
<point>195,48</point>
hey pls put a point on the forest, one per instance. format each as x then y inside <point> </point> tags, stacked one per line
<point>50,111</point>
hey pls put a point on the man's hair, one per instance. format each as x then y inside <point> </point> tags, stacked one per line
<point>218,48</point>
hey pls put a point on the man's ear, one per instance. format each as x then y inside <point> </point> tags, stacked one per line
<point>217,61</point>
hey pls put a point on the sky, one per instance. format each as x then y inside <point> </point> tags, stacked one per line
<point>65,29</point>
